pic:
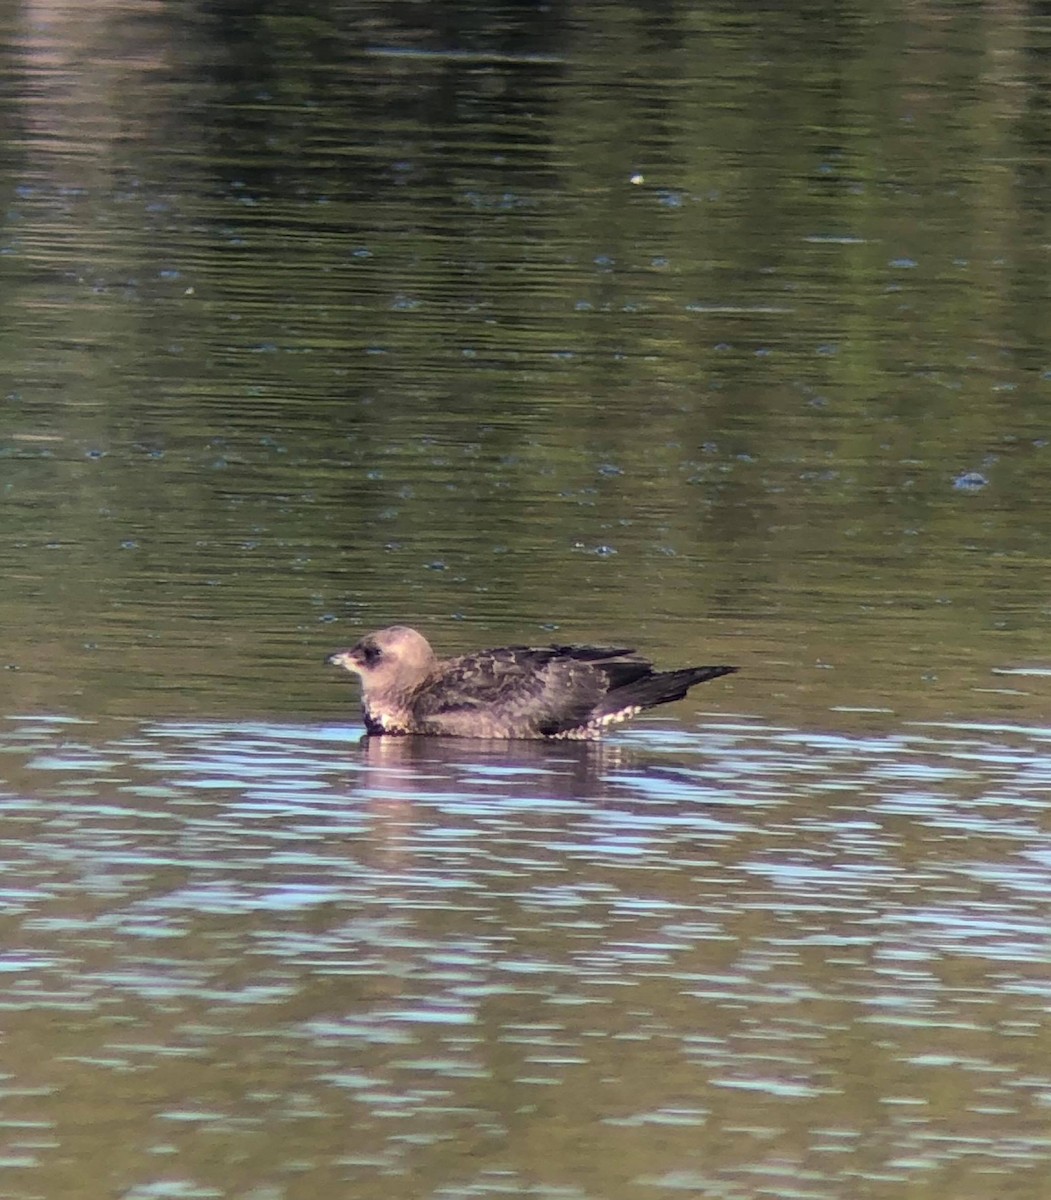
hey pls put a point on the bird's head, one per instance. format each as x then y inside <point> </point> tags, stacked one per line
<point>390,660</point>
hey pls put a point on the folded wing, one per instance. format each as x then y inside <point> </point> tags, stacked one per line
<point>550,691</point>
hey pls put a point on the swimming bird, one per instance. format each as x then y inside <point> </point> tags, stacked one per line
<point>510,692</point>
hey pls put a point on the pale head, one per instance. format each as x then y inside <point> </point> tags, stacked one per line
<point>397,659</point>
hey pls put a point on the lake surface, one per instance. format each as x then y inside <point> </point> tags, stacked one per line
<point>719,333</point>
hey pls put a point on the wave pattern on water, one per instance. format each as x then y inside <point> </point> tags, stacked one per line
<point>647,955</point>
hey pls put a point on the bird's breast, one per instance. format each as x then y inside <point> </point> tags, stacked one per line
<point>387,716</point>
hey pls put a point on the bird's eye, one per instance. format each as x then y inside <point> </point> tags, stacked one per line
<point>372,655</point>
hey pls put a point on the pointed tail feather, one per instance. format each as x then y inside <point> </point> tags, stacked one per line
<point>659,687</point>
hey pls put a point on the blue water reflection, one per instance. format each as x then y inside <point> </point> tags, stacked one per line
<point>431,945</point>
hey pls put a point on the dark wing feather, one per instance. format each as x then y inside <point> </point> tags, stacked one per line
<point>541,655</point>
<point>523,691</point>
<point>529,689</point>
<point>655,687</point>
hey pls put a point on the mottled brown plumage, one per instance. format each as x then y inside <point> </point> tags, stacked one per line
<point>511,692</point>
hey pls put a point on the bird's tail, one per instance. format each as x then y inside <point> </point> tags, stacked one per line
<point>657,687</point>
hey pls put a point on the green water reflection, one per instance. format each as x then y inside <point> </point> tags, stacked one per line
<point>720,332</point>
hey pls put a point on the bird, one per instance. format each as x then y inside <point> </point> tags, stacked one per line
<point>537,692</point>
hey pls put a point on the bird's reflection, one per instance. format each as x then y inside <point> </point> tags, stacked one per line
<point>505,770</point>
<point>425,796</point>
<point>408,766</point>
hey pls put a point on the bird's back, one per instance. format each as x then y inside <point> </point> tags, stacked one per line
<point>546,691</point>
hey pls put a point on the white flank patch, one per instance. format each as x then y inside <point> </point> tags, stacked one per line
<point>391,721</point>
<point>594,729</point>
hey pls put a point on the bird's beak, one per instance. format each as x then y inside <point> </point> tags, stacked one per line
<point>342,658</point>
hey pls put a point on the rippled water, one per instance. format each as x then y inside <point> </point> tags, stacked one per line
<point>262,959</point>
<point>722,333</point>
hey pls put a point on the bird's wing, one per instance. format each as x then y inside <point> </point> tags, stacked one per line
<point>521,689</point>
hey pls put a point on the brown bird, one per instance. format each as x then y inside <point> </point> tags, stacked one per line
<point>511,692</point>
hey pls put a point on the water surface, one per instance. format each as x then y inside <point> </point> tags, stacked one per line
<point>263,959</point>
<point>719,333</point>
